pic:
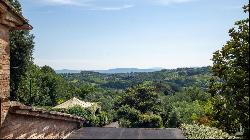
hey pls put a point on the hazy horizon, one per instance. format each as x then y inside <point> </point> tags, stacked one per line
<point>106,34</point>
<point>156,68</point>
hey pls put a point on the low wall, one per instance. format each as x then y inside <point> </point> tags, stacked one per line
<point>29,123</point>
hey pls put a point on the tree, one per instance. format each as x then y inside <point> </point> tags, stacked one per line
<point>84,90</point>
<point>231,89</point>
<point>30,90</point>
<point>141,97</point>
<point>50,84</point>
<point>139,107</point>
<point>21,49</point>
<point>128,116</point>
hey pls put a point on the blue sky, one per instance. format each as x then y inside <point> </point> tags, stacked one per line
<point>103,34</point>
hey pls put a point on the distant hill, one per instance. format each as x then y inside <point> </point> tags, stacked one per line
<point>112,71</point>
<point>120,79</point>
<point>67,71</point>
<point>127,70</point>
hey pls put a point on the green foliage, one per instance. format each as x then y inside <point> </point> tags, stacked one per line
<point>134,106</point>
<point>84,90</point>
<point>108,89</point>
<point>127,113</point>
<point>149,121</point>
<point>130,117</point>
<point>152,99</point>
<point>189,94</point>
<point>187,106</point>
<point>50,84</point>
<point>29,91</point>
<point>16,4</point>
<point>124,123</point>
<point>165,81</point>
<point>231,80</point>
<point>186,112</point>
<point>141,97</point>
<point>79,111</point>
<point>43,87</point>
<point>21,49</point>
<point>91,119</point>
<point>104,118</point>
<point>204,132</point>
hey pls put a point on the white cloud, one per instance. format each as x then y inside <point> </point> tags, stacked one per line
<point>168,2</point>
<point>89,4</point>
<point>62,2</point>
<point>124,4</point>
<point>113,8</point>
<point>84,2</point>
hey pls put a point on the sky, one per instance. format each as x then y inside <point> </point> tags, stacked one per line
<point>104,34</point>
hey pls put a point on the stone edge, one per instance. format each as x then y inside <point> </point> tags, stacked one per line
<point>14,11</point>
<point>18,108</point>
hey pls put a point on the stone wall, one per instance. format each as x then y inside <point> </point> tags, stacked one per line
<point>4,70</point>
<point>29,123</point>
<point>19,126</point>
<point>10,19</point>
<point>4,62</point>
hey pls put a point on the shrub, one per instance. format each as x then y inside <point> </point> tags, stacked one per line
<point>204,132</point>
<point>149,121</point>
<point>205,120</point>
<point>128,113</point>
<point>127,116</point>
<point>185,112</point>
<point>91,120</point>
<point>103,118</point>
<point>125,123</point>
<point>79,111</point>
<point>130,117</point>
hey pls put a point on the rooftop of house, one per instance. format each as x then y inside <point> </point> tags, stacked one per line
<point>23,24</point>
<point>75,102</point>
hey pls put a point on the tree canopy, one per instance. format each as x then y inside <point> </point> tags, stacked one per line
<point>21,50</point>
<point>230,84</point>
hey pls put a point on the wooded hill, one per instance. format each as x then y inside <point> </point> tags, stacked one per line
<point>168,80</point>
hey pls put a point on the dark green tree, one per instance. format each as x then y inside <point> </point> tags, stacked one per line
<point>231,79</point>
<point>21,49</point>
<point>141,97</point>
<point>50,84</point>
<point>139,107</point>
<point>30,90</point>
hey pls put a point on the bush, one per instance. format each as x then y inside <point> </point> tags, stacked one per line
<point>130,117</point>
<point>149,121</point>
<point>128,113</point>
<point>91,120</point>
<point>125,123</point>
<point>127,116</point>
<point>204,132</point>
<point>79,111</point>
<point>103,118</point>
<point>185,112</point>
